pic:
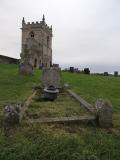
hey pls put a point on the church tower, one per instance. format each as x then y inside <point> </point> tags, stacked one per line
<point>36,46</point>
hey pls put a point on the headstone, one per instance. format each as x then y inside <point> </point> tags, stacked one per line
<point>104,113</point>
<point>106,74</point>
<point>116,73</point>
<point>72,69</point>
<point>86,71</point>
<point>11,115</point>
<point>51,77</point>
<point>25,69</point>
<point>56,65</point>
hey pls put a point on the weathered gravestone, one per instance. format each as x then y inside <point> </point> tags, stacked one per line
<point>11,115</point>
<point>56,65</point>
<point>106,74</point>
<point>51,77</point>
<point>72,69</point>
<point>25,69</point>
<point>104,113</point>
<point>116,74</point>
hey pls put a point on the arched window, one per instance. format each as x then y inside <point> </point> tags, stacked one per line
<point>32,34</point>
<point>35,63</point>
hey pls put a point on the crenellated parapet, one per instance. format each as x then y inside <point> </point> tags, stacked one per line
<point>42,24</point>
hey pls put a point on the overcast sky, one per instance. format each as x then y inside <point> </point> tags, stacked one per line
<point>86,32</point>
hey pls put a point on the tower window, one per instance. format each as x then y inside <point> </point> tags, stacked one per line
<point>32,34</point>
<point>35,63</point>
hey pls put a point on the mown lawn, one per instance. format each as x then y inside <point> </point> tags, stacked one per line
<point>59,142</point>
<point>14,87</point>
<point>63,106</point>
<point>91,87</point>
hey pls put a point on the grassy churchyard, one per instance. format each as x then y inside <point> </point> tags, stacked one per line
<point>59,142</point>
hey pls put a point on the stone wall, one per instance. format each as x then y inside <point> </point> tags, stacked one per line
<point>8,60</point>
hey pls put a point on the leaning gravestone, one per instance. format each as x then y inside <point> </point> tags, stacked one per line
<point>104,113</point>
<point>25,69</point>
<point>51,77</point>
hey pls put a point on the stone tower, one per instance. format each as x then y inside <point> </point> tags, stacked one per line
<point>36,48</point>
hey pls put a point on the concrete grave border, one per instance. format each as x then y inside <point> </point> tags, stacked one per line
<point>85,120</point>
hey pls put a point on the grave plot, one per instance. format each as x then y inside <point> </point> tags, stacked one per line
<point>63,106</point>
<point>52,102</point>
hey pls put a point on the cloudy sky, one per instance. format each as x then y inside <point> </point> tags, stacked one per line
<point>86,32</point>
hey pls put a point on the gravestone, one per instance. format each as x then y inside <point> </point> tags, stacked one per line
<point>116,74</point>
<point>51,77</point>
<point>25,69</point>
<point>104,113</point>
<point>72,69</point>
<point>106,74</point>
<point>12,115</point>
<point>56,65</point>
<point>86,71</point>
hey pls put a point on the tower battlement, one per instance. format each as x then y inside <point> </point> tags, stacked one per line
<point>42,24</point>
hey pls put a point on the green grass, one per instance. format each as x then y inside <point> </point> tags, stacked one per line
<point>45,142</point>
<point>59,142</point>
<point>63,106</point>
<point>91,87</point>
<point>14,87</point>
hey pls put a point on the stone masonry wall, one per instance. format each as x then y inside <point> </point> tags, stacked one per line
<point>8,60</point>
